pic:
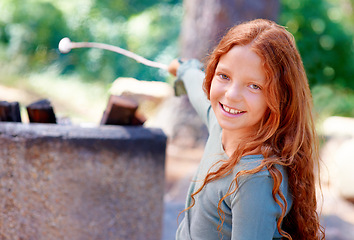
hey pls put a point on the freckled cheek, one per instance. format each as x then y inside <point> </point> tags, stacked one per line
<point>257,101</point>
<point>262,105</point>
<point>212,96</point>
<point>216,91</point>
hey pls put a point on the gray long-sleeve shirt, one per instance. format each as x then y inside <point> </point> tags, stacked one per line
<point>250,212</point>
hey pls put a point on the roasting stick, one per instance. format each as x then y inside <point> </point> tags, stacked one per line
<point>65,46</point>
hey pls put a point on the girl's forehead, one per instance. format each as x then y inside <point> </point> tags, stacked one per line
<point>243,62</point>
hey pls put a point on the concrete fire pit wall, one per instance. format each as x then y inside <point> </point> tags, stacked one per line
<point>70,182</point>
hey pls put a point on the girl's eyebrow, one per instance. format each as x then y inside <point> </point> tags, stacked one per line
<point>220,67</point>
<point>257,81</point>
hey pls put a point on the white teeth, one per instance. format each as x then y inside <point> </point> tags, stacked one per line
<point>230,110</point>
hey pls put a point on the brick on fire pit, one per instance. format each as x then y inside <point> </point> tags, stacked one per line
<point>122,111</point>
<point>10,112</point>
<point>41,112</point>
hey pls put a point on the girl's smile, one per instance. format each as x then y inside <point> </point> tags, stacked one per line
<point>231,111</point>
<point>236,93</point>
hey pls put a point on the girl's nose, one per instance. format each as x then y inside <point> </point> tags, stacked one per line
<point>234,93</point>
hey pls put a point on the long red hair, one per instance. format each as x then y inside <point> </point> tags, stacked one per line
<point>286,134</point>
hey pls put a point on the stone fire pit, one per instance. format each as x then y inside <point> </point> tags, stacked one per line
<point>72,182</point>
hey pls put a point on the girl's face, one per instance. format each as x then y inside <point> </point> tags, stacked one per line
<point>237,91</point>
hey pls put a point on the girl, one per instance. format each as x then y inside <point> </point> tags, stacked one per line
<point>256,178</point>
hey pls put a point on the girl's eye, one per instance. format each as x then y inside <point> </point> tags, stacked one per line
<point>223,76</point>
<point>255,87</point>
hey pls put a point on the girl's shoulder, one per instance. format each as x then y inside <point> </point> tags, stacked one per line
<point>261,181</point>
<point>249,163</point>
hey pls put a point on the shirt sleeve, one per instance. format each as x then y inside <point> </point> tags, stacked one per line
<point>192,76</point>
<point>254,211</point>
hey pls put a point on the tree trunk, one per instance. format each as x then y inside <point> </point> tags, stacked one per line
<point>206,21</point>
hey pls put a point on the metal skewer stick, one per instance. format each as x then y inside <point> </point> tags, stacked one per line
<point>65,46</point>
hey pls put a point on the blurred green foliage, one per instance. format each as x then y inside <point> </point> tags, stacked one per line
<point>324,33</point>
<point>332,100</point>
<point>30,31</point>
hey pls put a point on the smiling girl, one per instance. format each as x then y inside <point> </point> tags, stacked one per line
<point>256,179</point>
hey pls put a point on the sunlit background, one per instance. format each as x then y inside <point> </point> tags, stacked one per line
<point>77,83</point>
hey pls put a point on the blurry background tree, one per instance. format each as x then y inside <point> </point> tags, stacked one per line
<point>30,31</point>
<point>205,22</point>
